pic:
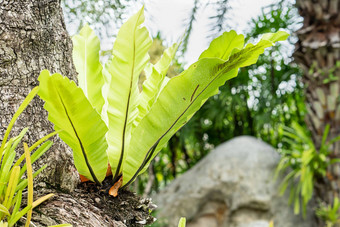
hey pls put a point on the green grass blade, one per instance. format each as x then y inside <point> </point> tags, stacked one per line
<point>30,184</point>
<point>35,145</point>
<point>4,170</point>
<point>10,153</point>
<point>62,225</point>
<point>14,142</point>
<point>8,159</point>
<point>41,200</point>
<point>325,134</point>
<point>23,183</point>
<point>182,222</point>
<point>16,217</point>
<point>12,184</point>
<point>334,140</point>
<point>21,108</point>
<point>17,199</point>
<point>4,210</point>
<point>37,154</point>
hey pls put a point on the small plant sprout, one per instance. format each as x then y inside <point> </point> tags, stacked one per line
<point>182,222</point>
<point>107,121</point>
<point>329,213</point>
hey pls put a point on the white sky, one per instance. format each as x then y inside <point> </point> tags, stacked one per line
<point>169,17</point>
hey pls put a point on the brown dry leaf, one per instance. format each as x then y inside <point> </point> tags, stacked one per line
<point>82,178</point>
<point>329,176</point>
<point>108,173</point>
<point>114,189</point>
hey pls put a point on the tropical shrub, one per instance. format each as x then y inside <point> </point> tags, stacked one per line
<point>329,213</point>
<point>12,183</point>
<point>264,97</point>
<point>303,163</point>
<point>108,120</point>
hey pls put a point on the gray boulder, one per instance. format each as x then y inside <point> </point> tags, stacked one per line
<point>232,186</point>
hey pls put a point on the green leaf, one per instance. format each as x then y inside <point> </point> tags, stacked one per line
<point>35,145</point>
<point>86,47</point>
<point>334,160</point>
<point>82,127</point>
<point>4,172</point>
<point>223,46</point>
<point>274,37</point>
<point>30,184</point>
<point>37,154</point>
<point>180,99</point>
<point>297,199</point>
<point>155,76</point>
<point>334,140</point>
<point>4,210</point>
<point>21,108</point>
<point>182,222</point>
<point>3,224</point>
<point>12,184</point>
<point>285,182</point>
<point>129,57</point>
<point>23,183</point>
<point>41,200</point>
<point>17,199</point>
<point>18,215</point>
<point>61,225</point>
<point>303,137</point>
<point>8,159</point>
<point>325,134</point>
<point>10,152</point>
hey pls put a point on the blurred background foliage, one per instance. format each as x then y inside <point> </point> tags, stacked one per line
<point>263,99</point>
<point>103,16</point>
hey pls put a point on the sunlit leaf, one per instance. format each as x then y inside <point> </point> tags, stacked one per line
<point>30,184</point>
<point>223,46</point>
<point>182,222</point>
<point>12,184</point>
<point>129,57</point>
<point>41,200</point>
<point>154,80</point>
<point>86,47</point>
<point>192,88</point>
<point>82,127</point>
<point>4,210</point>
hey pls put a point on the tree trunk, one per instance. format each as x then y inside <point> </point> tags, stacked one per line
<point>318,53</point>
<point>33,37</point>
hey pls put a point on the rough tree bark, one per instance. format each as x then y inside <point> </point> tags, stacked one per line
<point>32,38</point>
<point>318,52</point>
